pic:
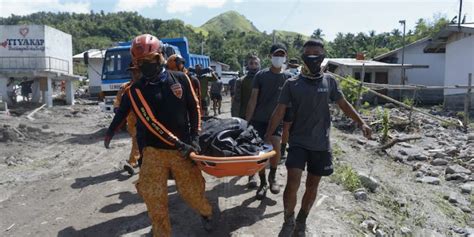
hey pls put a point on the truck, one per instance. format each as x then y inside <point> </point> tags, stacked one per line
<point>118,58</point>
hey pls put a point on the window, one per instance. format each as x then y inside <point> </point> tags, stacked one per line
<point>367,77</point>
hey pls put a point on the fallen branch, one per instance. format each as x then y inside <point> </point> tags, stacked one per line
<point>457,123</point>
<point>397,140</point>
<point>29,116</point>
<point>18,132</point>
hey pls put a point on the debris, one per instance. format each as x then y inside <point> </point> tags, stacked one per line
<point>467,187</point>
<point>397,140</point>
<point>10,227</point>
<point>429,180</point>
<point>457,169</point>
<point>30,116</point>
<point>360,194</point>
<point>405,231</point>
<point>368,182</point>
<point>439,162</point>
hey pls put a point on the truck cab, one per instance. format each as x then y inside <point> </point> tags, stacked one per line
<point>117,59</point>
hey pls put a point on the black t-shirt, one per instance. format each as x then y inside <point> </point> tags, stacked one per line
<point>269,86</point>
<point>309,99</point>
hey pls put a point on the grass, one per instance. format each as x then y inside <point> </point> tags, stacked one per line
<point>346,176</point>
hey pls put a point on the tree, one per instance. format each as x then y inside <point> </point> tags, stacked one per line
<point>318,34</point>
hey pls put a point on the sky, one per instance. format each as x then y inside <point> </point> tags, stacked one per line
<point>302,16</point>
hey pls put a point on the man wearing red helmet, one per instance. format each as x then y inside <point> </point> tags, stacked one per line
<point>168,115</point>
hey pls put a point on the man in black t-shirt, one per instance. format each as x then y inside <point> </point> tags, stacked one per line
<point>309,95</point>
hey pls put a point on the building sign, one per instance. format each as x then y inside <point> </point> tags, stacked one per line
<point>23,42</point>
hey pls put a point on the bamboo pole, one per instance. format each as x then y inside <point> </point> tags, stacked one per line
<point>467,103</point>
<point>458,124</point>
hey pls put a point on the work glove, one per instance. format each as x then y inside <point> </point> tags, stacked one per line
<point>185,149</point>
<point>195,144</point>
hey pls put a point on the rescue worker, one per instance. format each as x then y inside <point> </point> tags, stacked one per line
<point>216,96</point>
<point>243,90</point>
<point>309,96</point>
<point>203,76</point>
<point>176,63</point>
<point>131,120</point>
<point>168,123</point>
<point>266,87</point>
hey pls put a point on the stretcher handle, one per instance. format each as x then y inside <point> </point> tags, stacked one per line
<point>266,155</point>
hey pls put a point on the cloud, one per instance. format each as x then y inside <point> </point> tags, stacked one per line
<point>134,5</point>
<point>25,7</point>
<point>185,6</point>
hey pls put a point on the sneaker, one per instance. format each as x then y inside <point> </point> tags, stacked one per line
<point>207,223</point>
<point>274,186</point>
<point>252,182</point>
<point>129,169</point>
<point>262,192</point>
<point>300,230</point>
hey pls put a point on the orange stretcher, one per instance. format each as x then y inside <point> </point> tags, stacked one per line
<point>233,165</point>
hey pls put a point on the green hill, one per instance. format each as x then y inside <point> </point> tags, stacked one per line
<point>228,21</point>
<point>289,34</point>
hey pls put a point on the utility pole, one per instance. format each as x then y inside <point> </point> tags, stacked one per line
<point>202,47</point>
<point>459,17</point>
<point>403,55</point>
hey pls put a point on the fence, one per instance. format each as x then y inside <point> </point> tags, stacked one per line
<point>34,63</point>
<point>373,86</point>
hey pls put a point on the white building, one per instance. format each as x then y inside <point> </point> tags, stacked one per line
<point>94,69</point>
<point>39,53</point>
<point>219,67</point>
<point>375,72</point>
<point>433,75</point>
<point>457,44</point>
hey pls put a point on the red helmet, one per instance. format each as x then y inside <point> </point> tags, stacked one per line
<point>144,46</point>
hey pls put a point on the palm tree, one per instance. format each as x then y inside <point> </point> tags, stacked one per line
<point>318,34</point>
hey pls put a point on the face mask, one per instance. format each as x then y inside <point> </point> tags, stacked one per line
<point>313,63</point>
<point>278,61</point>
<point>253,70</point>
<point>150,69</point>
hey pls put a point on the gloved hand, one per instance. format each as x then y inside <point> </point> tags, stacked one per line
<point>185,149</point>
<point>195,144</point>
<point>116,110</point>
<point>107,140</point>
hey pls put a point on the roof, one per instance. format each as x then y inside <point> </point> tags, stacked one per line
<point>93,53</point>
<point>217,62</point>
<point>379,57</point>
<point>438,43</point>
<point>354,63</point>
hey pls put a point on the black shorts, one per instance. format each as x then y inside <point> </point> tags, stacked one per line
<point>261,128</point>
<point>319,162</point>
<point>216,96</point>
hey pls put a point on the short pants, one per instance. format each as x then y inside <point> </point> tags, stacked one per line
<point>319,163</point>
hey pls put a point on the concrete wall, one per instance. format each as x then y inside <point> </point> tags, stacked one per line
<point>459,63</point>
<point>432,76</point>
<point>59,45</point>
<point>94,71</point>
<point>24,47</point>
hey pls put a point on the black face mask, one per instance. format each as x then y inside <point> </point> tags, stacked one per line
<point>313,62</point>
<point>150,69</point>
<point>252,71</point>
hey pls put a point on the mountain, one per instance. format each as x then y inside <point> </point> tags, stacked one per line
<point>228,21</point>
<point>289,34</point>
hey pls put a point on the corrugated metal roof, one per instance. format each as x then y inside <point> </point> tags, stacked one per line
<point>93,53</point>
<point>398,49</point>
<point>352,62</point>
<point>438,43</point>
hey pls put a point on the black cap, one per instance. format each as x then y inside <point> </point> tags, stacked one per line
<point>276,47</point>
<point>293,61</point>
